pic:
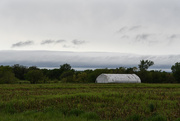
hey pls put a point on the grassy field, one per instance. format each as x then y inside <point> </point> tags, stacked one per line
<point>90,102</point>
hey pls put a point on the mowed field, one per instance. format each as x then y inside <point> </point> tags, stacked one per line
<point>89,102</point>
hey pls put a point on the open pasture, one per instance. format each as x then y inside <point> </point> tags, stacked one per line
<point>81,102</point>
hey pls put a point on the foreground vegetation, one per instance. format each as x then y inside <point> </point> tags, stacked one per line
<point>81,102</point>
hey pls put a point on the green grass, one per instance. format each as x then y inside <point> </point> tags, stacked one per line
<point>53,115</point>
<point>82,102</point>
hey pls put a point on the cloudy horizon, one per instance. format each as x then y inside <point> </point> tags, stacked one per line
<point>144,28</point>
<point>86,60</point>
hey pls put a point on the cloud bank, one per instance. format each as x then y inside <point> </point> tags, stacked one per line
<point>84,59</point>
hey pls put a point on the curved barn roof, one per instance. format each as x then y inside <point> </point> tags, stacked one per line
<point>118,78</point>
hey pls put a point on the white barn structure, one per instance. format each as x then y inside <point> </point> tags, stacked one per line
<point>118,78</point>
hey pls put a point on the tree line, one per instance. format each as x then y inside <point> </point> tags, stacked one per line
<point>65,74</point>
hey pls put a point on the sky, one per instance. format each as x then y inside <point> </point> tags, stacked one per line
<point>90,29</point>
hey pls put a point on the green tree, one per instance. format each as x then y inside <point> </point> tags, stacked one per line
<point>81,77</point>
<point>55,73</point>
<point>145,64</point>
<point>34,76</point>
<point>33,68</point>
<point>65,67</point>
<point>143,73</point>
<point>66,73</point>
<point>7,75</point>
<point>131,70</point>
<point>91,77</point>
<point>19,71</point>
<point>67,76</point>
<point>176,71</point>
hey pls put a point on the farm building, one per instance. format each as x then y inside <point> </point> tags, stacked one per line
<point>118,78</point>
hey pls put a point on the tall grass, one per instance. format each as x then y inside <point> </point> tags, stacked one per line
<point>90,102</point>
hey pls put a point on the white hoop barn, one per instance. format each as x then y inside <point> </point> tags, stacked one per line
<point>118,78</point>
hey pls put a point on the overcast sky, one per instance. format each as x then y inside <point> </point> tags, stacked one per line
<point>143,27</point>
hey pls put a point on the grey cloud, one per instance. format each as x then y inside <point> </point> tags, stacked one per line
<point>128,29</point>
<point>47,42</point>
<point>174,36</point>
<point>52,41</point>
<point>148,39</point>
<point>134,28</point>
<point>152,39</point>
<point>60,41</point>
<point>81,59</point>
<point>123,29</point>
<point>78,42</point>
<point>142,37</point>
<point>21,44</point>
